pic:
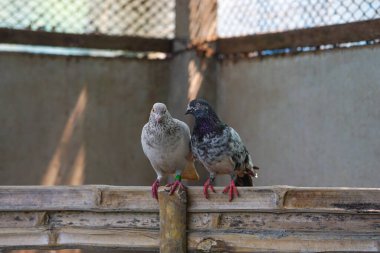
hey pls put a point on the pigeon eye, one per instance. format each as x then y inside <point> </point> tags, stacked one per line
<point>153,110</point>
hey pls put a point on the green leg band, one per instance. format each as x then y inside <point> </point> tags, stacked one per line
<point>178,177</point>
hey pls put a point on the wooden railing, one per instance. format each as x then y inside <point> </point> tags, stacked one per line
<point>278,218</point>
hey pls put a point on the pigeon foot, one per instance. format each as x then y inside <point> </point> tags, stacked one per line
<point>174,186</point>
<point>232,190</point>
<point>155,186</point>
<point>208,184</point>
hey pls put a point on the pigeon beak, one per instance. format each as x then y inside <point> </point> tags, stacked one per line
<point>189,110</point>
<point>158,119</point>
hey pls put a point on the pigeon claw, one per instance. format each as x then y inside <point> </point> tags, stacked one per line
<point>206,186</point>
<point>232,190</point>
<point>174,186</point>
<point>155,186</point>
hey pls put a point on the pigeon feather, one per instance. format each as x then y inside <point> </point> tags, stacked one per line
<point>166,142</point>
<point>219,148</point>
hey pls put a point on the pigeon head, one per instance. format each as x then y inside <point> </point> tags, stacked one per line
<point>200,108</point>
<point>159,114</point>
<point>206,119</point>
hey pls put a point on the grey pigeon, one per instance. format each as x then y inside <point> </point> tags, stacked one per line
<point>166,143</point>
<point>219,148</point>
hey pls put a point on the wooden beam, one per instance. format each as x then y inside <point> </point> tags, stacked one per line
<point>262,219</point>
<point>280,241</point>
<point>138,199</point>
<point>72,237</point>
<point>310,222</point>
<point>71,198</point>
<point>325,35</point>
<point>173,221</point>
<point>95,41</point>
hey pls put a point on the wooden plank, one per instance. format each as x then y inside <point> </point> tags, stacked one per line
<point>272,218</point>
<point>245,221</point>
<point>91,198</point>
<point>250,198</point>
<point>37,238</point>
<point>11,238</point>
<point>104,220</point>
<point>291,222</point>
<point>288,199</point>
<point>245,243</point>
<point>22,219</point>
<point>325,35</point>
<point>173,221</point>
<point>28,198</point>
<point>146,240</point>
<point>138,199</point>
<point>333,199</point>
<point>97,41</point>
<point>131,198</point>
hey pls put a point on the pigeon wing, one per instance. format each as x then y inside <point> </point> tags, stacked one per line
<point>240,154</point>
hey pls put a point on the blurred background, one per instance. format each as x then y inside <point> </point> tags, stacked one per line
<point>299,80</point>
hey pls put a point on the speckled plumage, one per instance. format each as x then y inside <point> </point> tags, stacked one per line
<point>166,142</point>
<point>221,152</point>
<point>217,146</point>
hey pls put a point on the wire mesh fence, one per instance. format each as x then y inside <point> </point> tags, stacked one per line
<point>246,17</point>
<point>144,18</point>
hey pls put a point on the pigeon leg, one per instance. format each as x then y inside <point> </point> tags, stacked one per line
<point>209,184</point>
<point>173,186</point>
<point>155,186</point>
<point>231,189</point>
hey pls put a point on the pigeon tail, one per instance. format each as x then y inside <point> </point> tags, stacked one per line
<point>245,180</point>
<point>190,172</point>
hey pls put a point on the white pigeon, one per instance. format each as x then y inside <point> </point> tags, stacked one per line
<point>166,142</point>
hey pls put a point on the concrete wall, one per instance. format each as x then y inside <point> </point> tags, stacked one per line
<point>74,120</point>
<point>309,120</point>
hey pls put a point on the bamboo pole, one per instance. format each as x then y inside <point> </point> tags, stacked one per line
<point>172,221</point>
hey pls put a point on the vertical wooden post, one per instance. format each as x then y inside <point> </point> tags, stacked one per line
<point>172,221</point>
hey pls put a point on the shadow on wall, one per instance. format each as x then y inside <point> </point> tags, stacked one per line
<point>98,147</point>
<point>79,124</point>
<point>67,164</point>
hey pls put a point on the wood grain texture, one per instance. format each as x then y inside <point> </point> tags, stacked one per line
<point>138,198</point>
<point>26,198</point>
<point>25,238</point>
<point>91,198</point>
<point>262,219</point>
<point>104,220</point>
<point>129,239</point>
<point>38,238</point>
<point>290,222</point>
<point>173,221</point>
<point>244,243</point>
<point>132,199</point>
<point>251,198</point>
<point>22,219</point>
<point>334,200</point>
